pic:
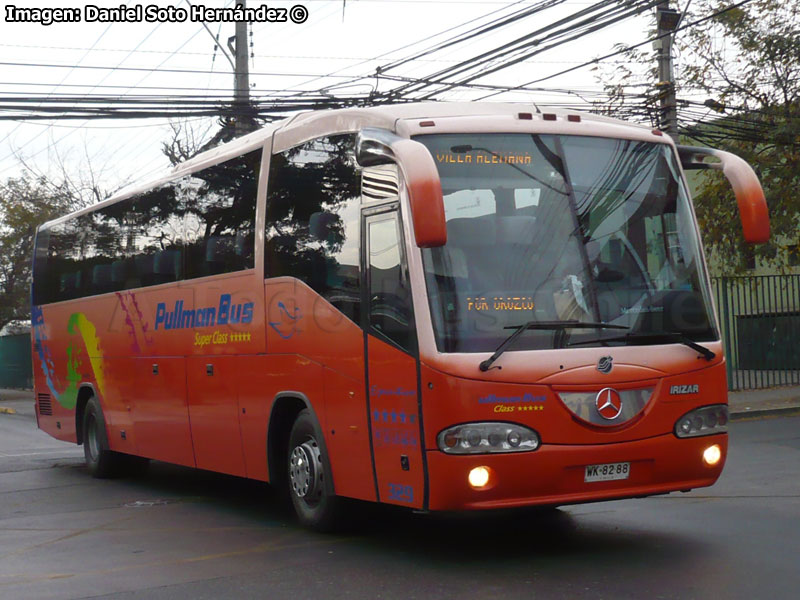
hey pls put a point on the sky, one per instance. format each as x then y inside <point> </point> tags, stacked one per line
<point>336,43</point>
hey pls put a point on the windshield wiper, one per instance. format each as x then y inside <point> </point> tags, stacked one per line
<point>655,336</point>
<point>555,325</point>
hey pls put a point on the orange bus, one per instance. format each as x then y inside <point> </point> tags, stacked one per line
<point>441,306</point>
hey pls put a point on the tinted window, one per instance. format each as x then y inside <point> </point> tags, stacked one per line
<point>54,258</point>
<point>156,236</point>
<point>198,225</point>
<point>42,282</point>
<point>220,216</point>
<point>313,219</point>
<point>389,295</point>
<point>104,249</point>
<point>64,261</point>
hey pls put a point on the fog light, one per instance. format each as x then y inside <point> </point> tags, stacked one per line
<point>479,477</point>
<point>712,455</point>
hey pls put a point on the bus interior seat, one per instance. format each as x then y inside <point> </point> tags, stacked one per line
<point>476,238</point>
<point>517,230</point>
<point>101,279</point>
<point>123,274</point>
<point>515,236</point>
<point>244,246</point>
<point>321,226</point>
<point>71,284</point>
<point>167,265</point>
<point>220,250</point>
<point>449,261</point>
<point>144,268</point>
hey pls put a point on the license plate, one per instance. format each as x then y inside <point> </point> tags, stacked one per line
<point>607,472</point>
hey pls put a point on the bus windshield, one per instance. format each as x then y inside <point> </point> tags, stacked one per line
<point>559,228</point>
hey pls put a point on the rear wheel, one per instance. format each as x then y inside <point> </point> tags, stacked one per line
<point>309,482</point>
<point>100,460</point>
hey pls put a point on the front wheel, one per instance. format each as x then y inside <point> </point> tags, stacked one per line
<point>309,481</point>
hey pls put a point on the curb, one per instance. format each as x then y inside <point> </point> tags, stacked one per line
<point>766,412</point>
<point>7,411</point>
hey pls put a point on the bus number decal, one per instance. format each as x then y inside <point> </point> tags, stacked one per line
<point>401,493</point>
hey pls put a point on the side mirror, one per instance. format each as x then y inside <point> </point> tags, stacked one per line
<point>379,147</point>
<point>749,195</point>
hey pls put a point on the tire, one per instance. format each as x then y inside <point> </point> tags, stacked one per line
<point>309,480</point>
<point>100,460</point>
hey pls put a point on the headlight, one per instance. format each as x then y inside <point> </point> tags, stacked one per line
<point>707,420</point>
<point>485,438</point>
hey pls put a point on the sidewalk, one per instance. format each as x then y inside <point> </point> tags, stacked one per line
<point>760,403</point>
<point>16,402</point>
<point>743,405</point>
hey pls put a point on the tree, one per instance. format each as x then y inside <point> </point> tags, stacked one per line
<point>188,139</point>
<point>24,204</point>
<point>738,83</point>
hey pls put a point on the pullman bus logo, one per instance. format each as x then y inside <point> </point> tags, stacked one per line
<point>604,365</point>
<point>608,403</point>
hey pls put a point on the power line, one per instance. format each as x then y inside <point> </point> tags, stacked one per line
<point>412,44</point>
<point>153,70</point>
<point>631,47</point>
<point>519,49</point>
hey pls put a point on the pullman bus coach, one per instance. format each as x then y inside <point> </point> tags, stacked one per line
<point>447,307</point>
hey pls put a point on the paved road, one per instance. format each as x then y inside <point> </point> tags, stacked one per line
<point>183,534</point>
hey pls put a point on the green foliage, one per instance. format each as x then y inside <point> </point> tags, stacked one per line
<point>757,72</point>
<point>24,204</point>
<point>738,84</point>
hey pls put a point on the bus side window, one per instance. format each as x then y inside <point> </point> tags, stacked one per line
<point>312,228</point>
<point>155,236</point>
<point>220,216</point>
<point>63,263</point>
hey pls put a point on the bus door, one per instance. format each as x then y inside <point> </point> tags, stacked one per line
<point>392,361</point>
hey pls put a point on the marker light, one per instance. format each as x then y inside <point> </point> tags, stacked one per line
<point>487,438</point>
<point>479,477</point>
<point>712,455</point>
<point>707,420</point>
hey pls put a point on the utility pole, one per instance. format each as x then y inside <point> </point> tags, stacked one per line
<point>667,20</point>
<point>243,110</point>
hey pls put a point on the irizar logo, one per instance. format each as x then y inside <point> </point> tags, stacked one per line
<point>677,390</point>
<point>605,364</point>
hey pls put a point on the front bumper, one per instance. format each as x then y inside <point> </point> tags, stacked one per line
<point>554,474</point>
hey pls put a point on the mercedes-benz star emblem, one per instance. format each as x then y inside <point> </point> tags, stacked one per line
<point>608,404</point>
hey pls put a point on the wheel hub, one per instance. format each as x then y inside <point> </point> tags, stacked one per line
<point>305,470</point>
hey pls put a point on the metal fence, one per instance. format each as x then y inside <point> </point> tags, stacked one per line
<point>15,361</point>
<point>760,320</point>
